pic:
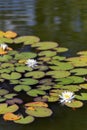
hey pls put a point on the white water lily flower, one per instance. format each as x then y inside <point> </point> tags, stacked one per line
<point>4,46</point>
<point>31,63</point>
<point>66,96</point>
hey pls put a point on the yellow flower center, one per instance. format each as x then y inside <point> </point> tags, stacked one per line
<point>67,96</point>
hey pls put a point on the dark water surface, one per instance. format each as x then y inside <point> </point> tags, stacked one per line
<point>64,21</point>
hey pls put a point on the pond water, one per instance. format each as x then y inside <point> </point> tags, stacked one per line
<point>55,20</point>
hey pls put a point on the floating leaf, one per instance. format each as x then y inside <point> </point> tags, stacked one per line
<point>35,74</point>
<point>28,81</point>
<point>73,88</point>
<point>45,59</point>
<point>1,34</point>
<point>36,104</point>
<point>25,55</point>
<point>51,98</point>
<point>79,71</point>
<point>78,61</point>
<point>47,53</point>
<point>65,81</point>
<point>27,40</point>
<point>25,120</point>
<point>3,92</point>
<point>61,65</point>
<point>6,65</point>
<point>83,96</point>
<point>60,58</point>
<point>58,74</point>
<point>45,45</point>
<point>5,40</point>
<point>84,86</point>
<point>11,117</point>
<point>39,112</point>
<point>14,101</point>
<point>40,99</point>
<point>2,99</point>
<point>31,40</point>
<point>5,58</point>
<point>46,81</point>
<point>13,81</point>
<point>84,53</point>
<point>35,92</point>
<point>10,34</point>
<point>19,88</point>
<point>13,75</point>
<point>61,49</point>
<point>4,108</point>
<point>42,67</point>
<point>43,87</point>
<point>9,96</point>
<point>74,104</point>
<point>23,69</point>
<point>76,79</point>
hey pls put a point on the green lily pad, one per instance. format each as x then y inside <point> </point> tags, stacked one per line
<point>73,88</point>
<point>35,92</point>
<point>27,40</point>
<point>13,75</point>
<point>58,74</point>
<point>61,65</point>
<point>6,40</point>
<point>9,96</point>
<point>60,58</point>
<point>42,67</point>
<point>47,53</point>
<point>78,61</point>
<point>4,108</point>
<point>45,45</point>
<point>23,69</point>
<point>19,88</point>
<point>52,98</point>
<point>44,59</point>
<point>83,86</point>
<point>2,99</point>
<point>83,96</point>
<point>46,81</point>
<point>12,52</point>
<point>74,104</point>
<point>64,81</point>
<point>6,65</point>
<point>13,81</point>
<point>76,79</point>
<point>5,58</point>
<point>28,81</point>
<point>82,53</point>
<point>35,74</point>
<point>5,71</point>
<point>79,71</point>
<point>61,49</point>
<point>44,87</point>
<point>25,55</point>
<point>3,92</point>
<point>39,112</point>
<point>25,120</point>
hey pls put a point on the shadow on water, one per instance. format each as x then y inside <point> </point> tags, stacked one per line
<point>54,20</point>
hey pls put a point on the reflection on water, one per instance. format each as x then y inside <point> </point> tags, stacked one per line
<point>54,20</point>
<point>58,20</point>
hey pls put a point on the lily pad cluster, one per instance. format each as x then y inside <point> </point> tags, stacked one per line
<point>53,75</point>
